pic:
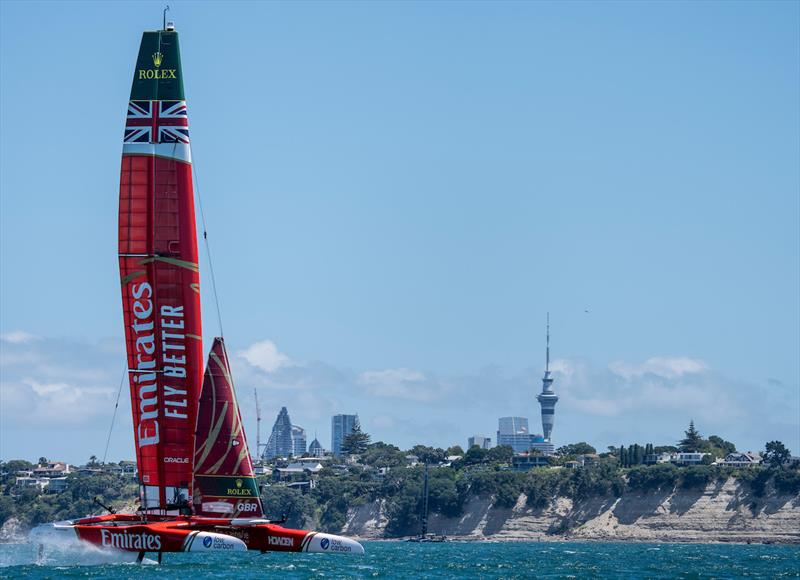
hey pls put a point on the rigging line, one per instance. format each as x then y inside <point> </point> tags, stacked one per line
<point>116,406</point>
<point>208,247</point>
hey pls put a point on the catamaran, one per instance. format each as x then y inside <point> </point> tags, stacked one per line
<point>198,491</point>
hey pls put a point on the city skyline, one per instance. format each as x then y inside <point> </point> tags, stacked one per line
<point>403,215</point>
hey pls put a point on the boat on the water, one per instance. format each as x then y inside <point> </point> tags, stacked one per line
<point>198,491</point>
<point>424,536</point>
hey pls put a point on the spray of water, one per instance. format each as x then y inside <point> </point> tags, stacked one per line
<point>48,545</point>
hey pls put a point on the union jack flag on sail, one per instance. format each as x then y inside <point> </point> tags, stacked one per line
<point>157,122</point>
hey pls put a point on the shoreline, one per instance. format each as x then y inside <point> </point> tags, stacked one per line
<point>467,540</point>
<point>573,540</point>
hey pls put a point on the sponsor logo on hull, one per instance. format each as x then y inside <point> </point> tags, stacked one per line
<point>135,541</point>
<point>205,541</point>
<point>279,541</point>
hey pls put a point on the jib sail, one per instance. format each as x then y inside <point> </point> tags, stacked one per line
<point>224,481</point>
<point>159,274</point>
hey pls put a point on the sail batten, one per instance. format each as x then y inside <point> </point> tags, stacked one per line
<point>159,274</point>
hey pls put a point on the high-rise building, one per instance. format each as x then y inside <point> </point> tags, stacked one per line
<point>280,442</point>
<point>298,441</point>
<point>547,398</point>
<point>341,427</point>
<point>513,431</point>
<point>480,441</point>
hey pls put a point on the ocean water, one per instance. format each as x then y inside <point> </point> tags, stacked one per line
<point>450,560</point>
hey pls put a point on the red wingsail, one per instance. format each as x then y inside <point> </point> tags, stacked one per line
<point>159,275</point>
<point>224,481</point>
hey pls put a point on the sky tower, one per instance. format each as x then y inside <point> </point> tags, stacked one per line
<point>547,398</point>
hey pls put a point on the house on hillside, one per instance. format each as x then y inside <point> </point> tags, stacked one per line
<point>692,458</point>
<point>26,479</point>
<point>297,468</point>
<point>57,484</point>
<point>741,459</point>
<point>52,469</point>
<point>526,462</point>
<point>656,458</point>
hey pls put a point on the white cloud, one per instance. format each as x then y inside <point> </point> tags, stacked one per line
<point>55,382</point>
<point>266,357</point>
<point>67,388</point>
<point>667,367</point>
<point>656,388</point>
<point>68,404</point>
<point>18,337</point>
<point>403,383</point>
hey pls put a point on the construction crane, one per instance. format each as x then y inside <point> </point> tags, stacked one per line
<point>258,427</point>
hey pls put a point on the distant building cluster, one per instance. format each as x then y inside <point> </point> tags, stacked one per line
<point>736,459</point>
<point>287,440</point>
<point>514,432</point>
<point>51,476</point>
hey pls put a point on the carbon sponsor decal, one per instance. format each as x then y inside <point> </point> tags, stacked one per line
<point>338,546</point>
<point>219,543</point>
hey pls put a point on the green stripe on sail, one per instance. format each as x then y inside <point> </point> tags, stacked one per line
<point>132,276</point>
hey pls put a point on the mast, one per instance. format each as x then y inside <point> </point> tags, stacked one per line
<point>159,274</point>
<point>258,424</point>
<point>425,503</point>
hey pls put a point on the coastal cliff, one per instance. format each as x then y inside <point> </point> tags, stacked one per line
<point>723,511</point>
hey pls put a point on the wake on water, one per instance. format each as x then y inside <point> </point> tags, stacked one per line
<point>45,548</point>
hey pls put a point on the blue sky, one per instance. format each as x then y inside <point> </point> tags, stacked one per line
<point>397,193</point>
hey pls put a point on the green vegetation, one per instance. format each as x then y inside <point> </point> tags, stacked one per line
<point>356,442</point>
<point>653,478</point>
<point>33,507</point>
<point>633,454</point>
<point>692,442</point>
<point>715,445</point>
<point>384,473</point>
<point>581,448</point>
<point>776,454</point>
